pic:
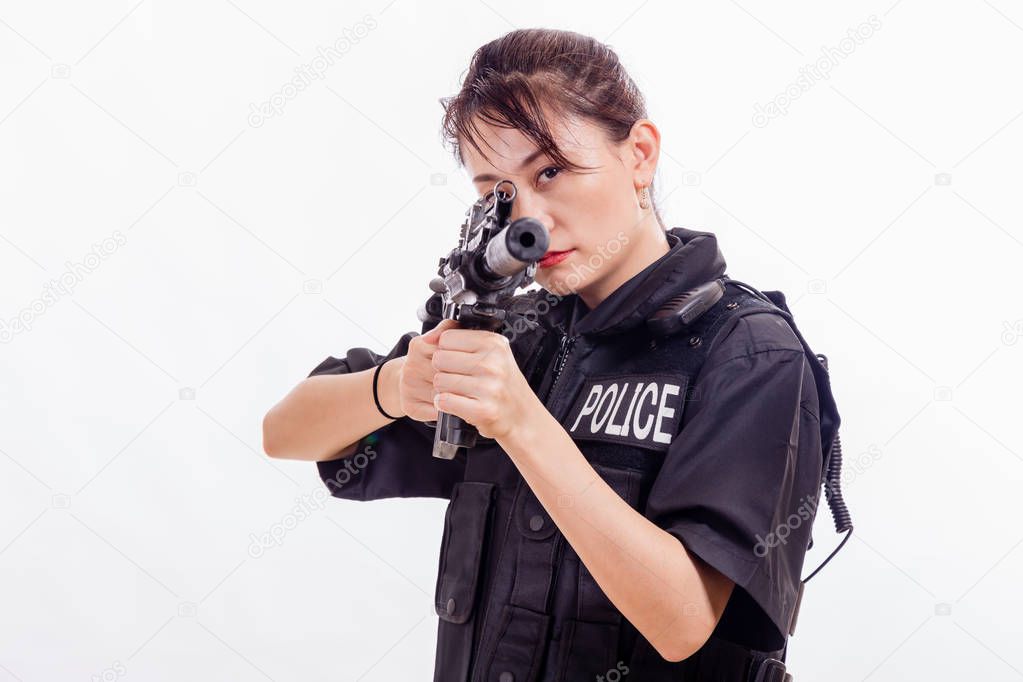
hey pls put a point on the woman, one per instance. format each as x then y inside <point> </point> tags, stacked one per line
<point>623,513</point>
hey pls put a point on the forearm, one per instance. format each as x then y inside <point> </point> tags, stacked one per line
<point>645,572</point>
<point>324,416</point>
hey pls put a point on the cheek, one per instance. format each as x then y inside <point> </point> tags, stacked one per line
<point>589,211</point>
<point>596,208</point>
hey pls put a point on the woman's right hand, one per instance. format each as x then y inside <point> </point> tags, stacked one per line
<point>415,378</point>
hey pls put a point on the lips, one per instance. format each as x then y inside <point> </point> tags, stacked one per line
<point>553,258</point>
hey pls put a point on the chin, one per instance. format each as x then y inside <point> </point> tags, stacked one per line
<point>561,285</point>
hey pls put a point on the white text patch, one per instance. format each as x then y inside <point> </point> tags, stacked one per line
<point>644,410</point>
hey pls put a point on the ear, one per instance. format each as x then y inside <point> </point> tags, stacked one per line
<point>643,148</point>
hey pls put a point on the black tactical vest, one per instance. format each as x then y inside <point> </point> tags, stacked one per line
<point>515,602</point>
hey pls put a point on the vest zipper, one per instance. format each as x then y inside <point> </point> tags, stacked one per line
<point>566,347</point>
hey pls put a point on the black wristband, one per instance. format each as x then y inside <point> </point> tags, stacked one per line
<point>376,399</point>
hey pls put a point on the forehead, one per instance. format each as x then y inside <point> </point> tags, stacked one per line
<point>506,148</point>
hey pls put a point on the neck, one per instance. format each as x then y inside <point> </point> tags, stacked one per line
<point>651,243</point>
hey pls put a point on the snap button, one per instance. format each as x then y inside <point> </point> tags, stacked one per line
<point>506,677</point>
<point>732,305</point>
<point>450,606</point>
<point>694,340</point>
<point>530,519</point>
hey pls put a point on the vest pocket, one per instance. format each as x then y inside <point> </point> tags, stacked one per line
<point>588,646</point>
<point>465,533</point>
<point>519,650</point>
<point>588,651</point>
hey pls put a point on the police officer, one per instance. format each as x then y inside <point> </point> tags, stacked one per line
<point>640,501</point>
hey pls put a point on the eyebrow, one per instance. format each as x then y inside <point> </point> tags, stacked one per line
<point>525,162</point>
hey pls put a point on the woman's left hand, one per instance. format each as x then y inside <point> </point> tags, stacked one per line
<point>479,380</point>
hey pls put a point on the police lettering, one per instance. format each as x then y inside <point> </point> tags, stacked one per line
<point>644,411</point>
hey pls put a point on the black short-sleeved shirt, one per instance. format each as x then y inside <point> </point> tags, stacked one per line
<point>739,484</point>
<point>744,469</point>
<point>401,451</point>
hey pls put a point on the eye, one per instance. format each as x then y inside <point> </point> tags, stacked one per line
<point>546,173</point>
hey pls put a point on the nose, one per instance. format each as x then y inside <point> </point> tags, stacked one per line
<point>528,205</point>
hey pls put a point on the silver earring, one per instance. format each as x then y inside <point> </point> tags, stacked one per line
<point>644,199</point>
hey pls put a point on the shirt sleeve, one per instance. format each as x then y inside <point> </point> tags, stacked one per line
<point>397,459</point>
<point>740,482</point>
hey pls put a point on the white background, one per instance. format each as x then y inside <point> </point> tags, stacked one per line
<point>884,203</point>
